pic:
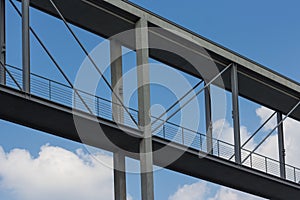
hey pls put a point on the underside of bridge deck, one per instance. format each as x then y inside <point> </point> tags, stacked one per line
<point>52,118</point>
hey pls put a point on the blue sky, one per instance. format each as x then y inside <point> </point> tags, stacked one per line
<point>265,31</point>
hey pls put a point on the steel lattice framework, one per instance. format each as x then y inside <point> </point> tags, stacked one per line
<point>22,92</point>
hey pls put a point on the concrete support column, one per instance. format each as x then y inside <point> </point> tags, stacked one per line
<point>146,157</point>
<point>26,46</point>
<point>119,176</point>
<point>2,42</point>
<point>281,149</point>
<point>235,113</point>
<point>118,117</point>
<point>208,119</point>
<point>117,80</point>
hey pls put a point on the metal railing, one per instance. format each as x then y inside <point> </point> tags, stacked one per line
<point>64,94</point>
<point>101,107</point>
<point>225,150</point>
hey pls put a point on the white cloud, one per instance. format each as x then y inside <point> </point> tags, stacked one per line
<point>224,132</point>
<point>194,191</point>
<point>291,136</point>
<point>201,191</point>
<point>56,174</point>
<point>264,113</point>
<point>129,197</point>
<point>270,147</point>
<point>229,194</point>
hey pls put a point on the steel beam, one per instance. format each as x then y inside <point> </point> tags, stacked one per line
<point>2,42</point>
<point>235,113</point>
<point>208,119</point>
<point>146,156</point>
<point>281,149</point>
<point>118,117</point>
<point>26,45</point>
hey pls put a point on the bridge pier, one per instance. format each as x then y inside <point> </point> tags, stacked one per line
<point>281,149</point>
<point>118,116</point>
<point>2,42</point>
<point>26,45</point>
<point>235,113</point>
<point>119,176</point>
<point>146,156</point>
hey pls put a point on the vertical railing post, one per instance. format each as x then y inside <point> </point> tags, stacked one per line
<point>118,117</point>
<point>295,175</point>
<point>235,113</point>
<point>146,156</point>
<point>281,149</point>
<point>98,106</point>
<point>164,131</point>
<point>2,42</point>
<point>208,119</point>
<point>74,98</point>
<point>201,145</point>
<point>218,147</point>
<point>182,135</point>
<point>26,46</point>
<point>50,90</point>
<point>251,161</point>
<point>266,164</point>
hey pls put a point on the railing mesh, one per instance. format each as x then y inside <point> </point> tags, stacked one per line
<point>101,107</point>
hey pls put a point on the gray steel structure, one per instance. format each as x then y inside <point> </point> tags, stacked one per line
<point>109,17</point>
<point>146,157</point>
<point>118,116</point>
<point>235,114</point>
<point>281,149</point>
<point>26,46</point>
<point>208,120</point>
<point>2,40</point>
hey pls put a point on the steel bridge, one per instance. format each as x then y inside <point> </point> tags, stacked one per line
<point>50,106</point>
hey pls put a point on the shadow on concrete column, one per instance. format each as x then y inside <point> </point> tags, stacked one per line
<point>146,157</point>
<point>118,116</point>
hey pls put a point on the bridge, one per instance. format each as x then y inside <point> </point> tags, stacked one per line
<point>41,103</point>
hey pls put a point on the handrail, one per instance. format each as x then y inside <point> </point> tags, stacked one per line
<point>67,86</point>
<point>39,76</point>
<point>11,76</point>
<point>220,143</point>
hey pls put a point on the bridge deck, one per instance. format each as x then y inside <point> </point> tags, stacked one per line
<point>190,159</point>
